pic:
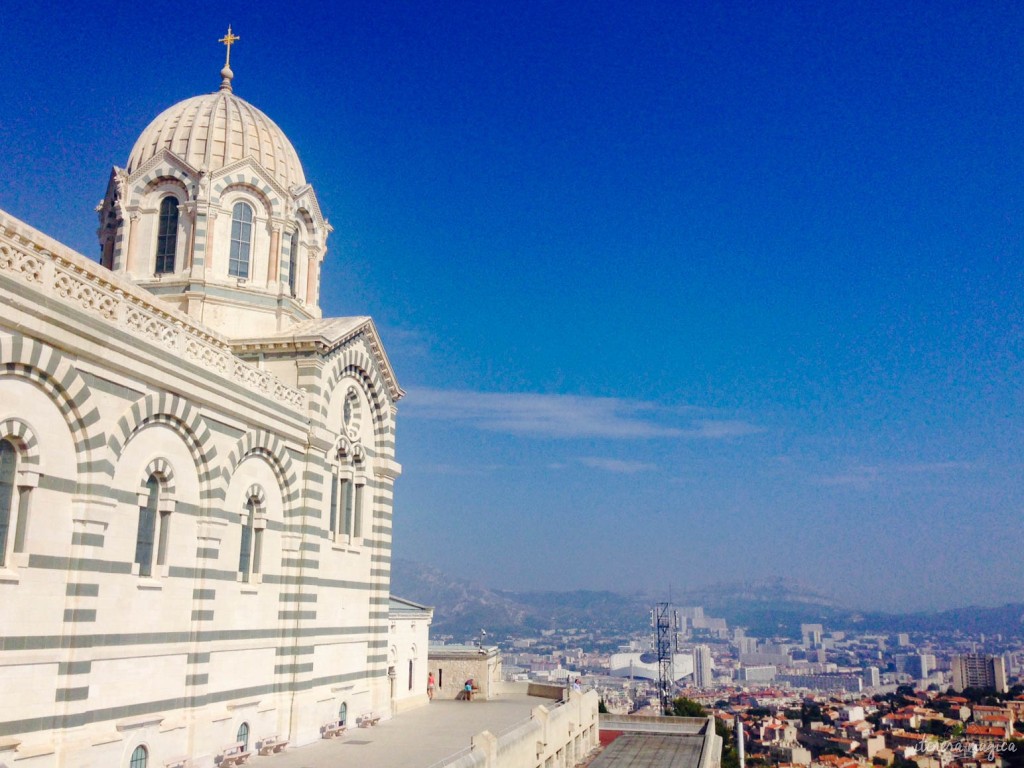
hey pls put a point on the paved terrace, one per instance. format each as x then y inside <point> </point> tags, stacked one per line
<point>416,739</point>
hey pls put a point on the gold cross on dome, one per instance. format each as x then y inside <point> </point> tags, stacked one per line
<point>229,40</point>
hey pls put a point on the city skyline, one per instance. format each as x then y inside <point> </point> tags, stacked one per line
<point>678,295</point>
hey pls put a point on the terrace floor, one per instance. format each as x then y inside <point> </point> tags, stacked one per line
<point>420,738</point>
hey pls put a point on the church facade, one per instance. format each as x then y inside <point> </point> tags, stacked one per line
<point>196,467</point>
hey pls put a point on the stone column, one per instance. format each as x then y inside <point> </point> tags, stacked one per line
<point>274,264</point>
<point>191,211</point>
<point>211,225</point>
<point>312,277</point>
<point>131,263</point>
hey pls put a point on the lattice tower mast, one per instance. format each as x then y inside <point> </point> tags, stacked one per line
<point>666,644</point>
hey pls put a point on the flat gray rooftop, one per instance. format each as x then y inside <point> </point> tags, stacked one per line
<point>651,750</point>
<point>416,739</point>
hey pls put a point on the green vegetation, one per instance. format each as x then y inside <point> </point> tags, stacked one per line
<point>935,727</point>
<point>809,713</point>
<point>990,697</point>
<point>684,707</point>
<point>730,757</point>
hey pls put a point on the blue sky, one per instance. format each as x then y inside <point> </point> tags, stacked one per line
<point>681,293</point>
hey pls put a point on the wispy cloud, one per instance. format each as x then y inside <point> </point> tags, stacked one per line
<point>458,470</point>
<point>407,342</point>
<point>935,467</point>
<point>854,477</point>
<point>867,475</point>
<point>565,416</point>
<point>717,430</point>
<point>618,466</point>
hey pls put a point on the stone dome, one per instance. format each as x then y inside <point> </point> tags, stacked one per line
<point>216,129</point>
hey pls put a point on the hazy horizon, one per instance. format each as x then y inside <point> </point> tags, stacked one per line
<point>682,597</point>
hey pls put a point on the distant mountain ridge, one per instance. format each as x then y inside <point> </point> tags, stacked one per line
<point>773,608</point>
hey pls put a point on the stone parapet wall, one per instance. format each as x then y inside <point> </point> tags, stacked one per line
<point>559,735</point>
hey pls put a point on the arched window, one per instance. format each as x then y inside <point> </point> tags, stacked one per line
<point>293,262</point>
<point>241,240</point>
<point>341,493</point>
<point>251,548</point>
<point>167,236</point>
<point>154,527</point>
<point>8,469</point>
<point>242,737</point>
<point>356,518</point>
<point>140,758</point>
<point>346,512</point>
<point>343,713</point>
<point>146,532</point>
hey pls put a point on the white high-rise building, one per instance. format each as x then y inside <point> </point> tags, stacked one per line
<point>872,677</point>
<point>978,670</point>
<point>703,667</point>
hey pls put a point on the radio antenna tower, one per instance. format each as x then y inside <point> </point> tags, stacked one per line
<point>666,643</point>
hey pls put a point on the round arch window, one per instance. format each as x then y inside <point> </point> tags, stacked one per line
<point>140,758</point>
<point>242,737</point>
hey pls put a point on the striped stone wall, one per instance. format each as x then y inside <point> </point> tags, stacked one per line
<point>101,654</point>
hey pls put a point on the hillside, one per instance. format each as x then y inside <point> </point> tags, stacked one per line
<point>766,609</point>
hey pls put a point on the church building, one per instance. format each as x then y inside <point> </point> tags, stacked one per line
<point>196,468</point>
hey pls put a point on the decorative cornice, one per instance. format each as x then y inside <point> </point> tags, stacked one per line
<point>163,155</point>
<point>321,345</point>
<point>61,275</point>
<point>306,194</point>
<point>251,164</point>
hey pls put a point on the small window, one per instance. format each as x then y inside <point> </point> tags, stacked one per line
<point>343,713</point>
<point>8,469</point>
<point>140,758</point>
<point>242,737</point>
<point>245,557</point>
<point>146,532</point>
<point>164,534</point>
<point>357,514</point>
<point>346,499</point>
<point>410,674</point>
<point>334,502</point>
<point>241,240</point>
<point>293,262</point>
<point>167,237</point>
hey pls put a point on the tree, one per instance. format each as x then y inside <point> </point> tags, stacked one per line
<point>730,758</point>
<point>601,708</point>
<point>934,727</point>
<point>684,707</point>
<point>809,712</point>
